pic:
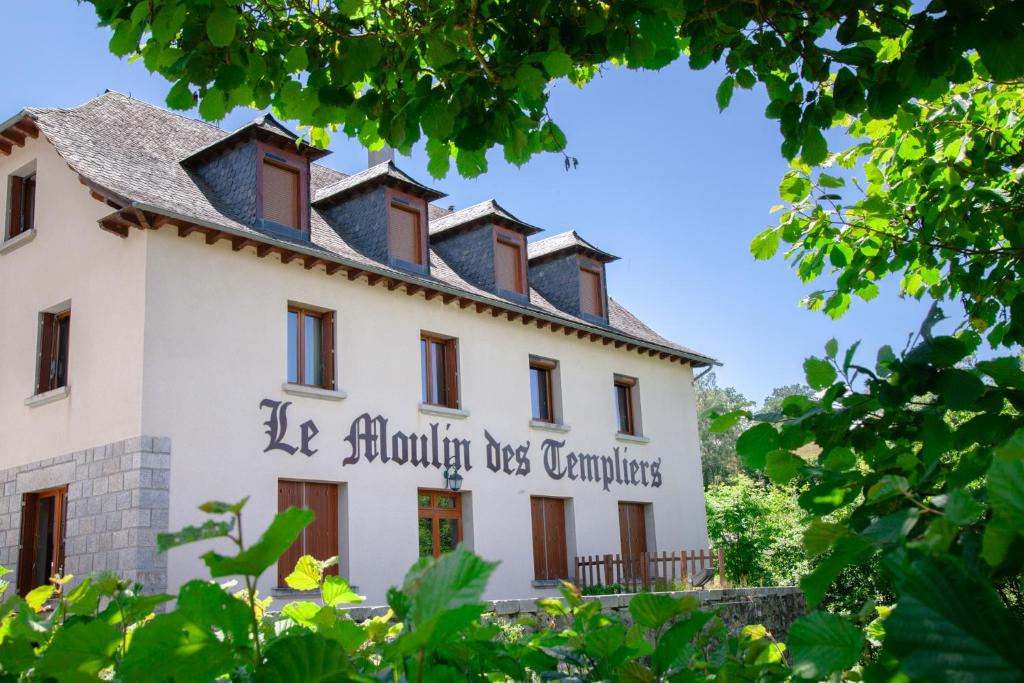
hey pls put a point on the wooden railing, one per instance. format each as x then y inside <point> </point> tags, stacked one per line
<point>648,571</point>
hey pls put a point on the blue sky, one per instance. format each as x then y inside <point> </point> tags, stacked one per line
<point>664,181</point>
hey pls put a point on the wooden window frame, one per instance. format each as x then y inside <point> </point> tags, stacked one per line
<point>591,266</point>
<point>515,239</point>
<point>435,514</point>
<point>52,371</point>
<point>27,551</point>
<point>21,204</point>
<point>285,564</point>
<point>546,573</point>
<point>451,370</point>
<point>549,366</point>
<point>327,346</point>
<point>286,159</point>
<point>402,201</point>
<point>629,384</point>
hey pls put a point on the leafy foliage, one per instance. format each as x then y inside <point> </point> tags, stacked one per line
<point>473,74</point>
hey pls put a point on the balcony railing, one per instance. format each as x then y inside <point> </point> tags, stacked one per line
<point>667,571</point>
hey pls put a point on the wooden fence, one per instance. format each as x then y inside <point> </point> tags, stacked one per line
<point>648,571</point>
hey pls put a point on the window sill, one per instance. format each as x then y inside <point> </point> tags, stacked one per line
<point>48,396</point>
<point>292,594</point>
<point>313,392</point>
<point>549,426</point>
<point>442,411</point>
<point>547,583</point>
<point>632,438</point>
<point>17,241</point>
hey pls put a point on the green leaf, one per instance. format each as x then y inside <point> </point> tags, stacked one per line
<point>847,92</point>
<point>841,458</point>
<point>821,643</point>
<point>213,106</point>
<point>125,40</point>
<point>910,148</point>
<point>180,96</point>
<point>961,508</point>
<point>1012,448</point>
<point>950,625</point>
<point>455,579</point>
<point>191,534</point>
<point>673,643</point>
<point>1005,486</point>
<point>888,486</point>
<point>831,348</point>
<point>304,658</point>
<point>846,551</point>
<point>781,466</point>
<point>820,373</point>
<point>220,25</point>
<point>38,596</point>
<point>79,649</point>
<point>254,560</point>
<point>653,610</point>
<point>960,389</point>
<point>814,149</point>
<point>794,188</point>
<point>170,647</point>
<point>765,244</point>
<point>557,64</point>
<point>727,421</point>
<point>307,575</point>
<point>530,81</point>
<point>724,93</point>
<point>296,59</point>
<point>753,445</point>
<point>336,591</point>
<point>819,536</point>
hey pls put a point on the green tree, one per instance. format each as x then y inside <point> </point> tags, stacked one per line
<point>718,448</point>
<point>773,402</point>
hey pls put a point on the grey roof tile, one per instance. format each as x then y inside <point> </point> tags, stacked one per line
<point>486,210</point>
<point>383,171</point>
<point>564,242</point>
<point>134,150</point>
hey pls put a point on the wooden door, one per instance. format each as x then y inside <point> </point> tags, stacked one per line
<point>322,534</point>
<point>550,556</point>
<point>289,494</point>
<point>633,536</point>
<point>43,516</point>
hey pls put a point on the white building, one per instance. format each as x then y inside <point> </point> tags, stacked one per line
<point>189,315</point>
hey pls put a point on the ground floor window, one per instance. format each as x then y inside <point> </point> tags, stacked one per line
<point>43,514</point>
<point>319,539</point>
<point>550,550</point>
<point>440,522</point>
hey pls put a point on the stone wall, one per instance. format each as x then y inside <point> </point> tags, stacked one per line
<point>118,500</point>
<point>776,608</point>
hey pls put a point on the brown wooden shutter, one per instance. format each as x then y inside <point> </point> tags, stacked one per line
<point>46,359</point>
<point>404,225</point>
<point>29,209</point>
<point>591,292</point>
<point>540,558</point>
<point>451,369</point>
<point>558,561</point>
<point>14,214</point>
<point>280,194</point>
<point>322,534</point>
<point>508,266</point>
<point>327,334</point>
<point>289,494</point>
<point>632,529</point>
<point>27,554</point>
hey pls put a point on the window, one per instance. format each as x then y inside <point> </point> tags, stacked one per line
<point>439,522</point>
<point>439,361</point>
<point>281,193</point>
<point>54,337</point>
<point>591,290</point>
<point>319,539</point>
<point>21,204</point>
<point>405,232</point>
<point>43,515</point>
<point>508,262</point>
<point>542,391</point>
<point>310,347</point>
<point>625,404</point>
<point>550,554</point>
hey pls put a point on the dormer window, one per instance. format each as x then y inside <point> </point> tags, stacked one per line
<point>509,261</point>
<point>280,193</point>
<point>407,228</point>
<point>591,288</point>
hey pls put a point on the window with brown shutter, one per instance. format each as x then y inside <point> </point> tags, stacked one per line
<point>542,394</point>
<point>508,263</point>
<point>54,342</point>
<point>550,553</point>
<point>439,521</point>
<point>21,204</point>
<point>591,291</point>
<point>625,405</point>
<point>311,347</point>
<point>405,238</point>
<point>281,194</point>
<point>320,539</point>
<point>43,517</point>
<point>439,371</point>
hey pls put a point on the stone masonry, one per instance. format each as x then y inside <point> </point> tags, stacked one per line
<point>118,500</point>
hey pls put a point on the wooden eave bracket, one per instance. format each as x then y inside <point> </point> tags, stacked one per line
<point>16,133</point>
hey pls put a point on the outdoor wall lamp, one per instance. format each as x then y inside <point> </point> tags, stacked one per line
<point>452,478</point>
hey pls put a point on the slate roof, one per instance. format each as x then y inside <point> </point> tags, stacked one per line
<point>267,127</point>
<point>132,151</point>
<point>488,210</point>
<point>566,241</point>
<point>383,172</point>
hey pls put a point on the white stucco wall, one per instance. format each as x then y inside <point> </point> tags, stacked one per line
<point>215,329</point>
<point>103,277</point>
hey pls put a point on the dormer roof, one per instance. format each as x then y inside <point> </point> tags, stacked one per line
<point>485,212</point>
<point>563,242</point>
<point>266,128</point>
<point>382,174</point>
